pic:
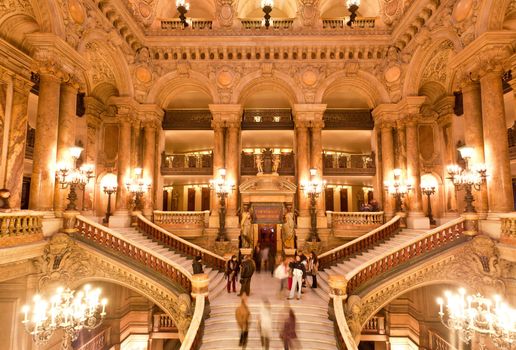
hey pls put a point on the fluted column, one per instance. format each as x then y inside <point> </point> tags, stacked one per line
<point>94,108</point>
<point>473,135</point>
<point>44,159</point>
<point>232,164</point>
<point>303,165</point>
<point>401,152</point>
<point>218,161</point>
<point>413,173</point>
<point>123,165</point>
<point>387,164</point>
<point>496,150</point>
<point>316,159</point>
<point>17,141</point>
<point>149,162</point>
<point>65,138</point>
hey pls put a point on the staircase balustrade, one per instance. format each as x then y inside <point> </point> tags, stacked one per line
<point>354,219</point>
<point>178,244</point>
<point>99,341</point>
<point>436,342</point>
<point>20,227</point>
<point>115,243</point>
<point>182,219</point>
<point>360,244</point>
<point>508,228</point>
<point>435,239</point>
<point>193,338</point>
<point>375,325</point>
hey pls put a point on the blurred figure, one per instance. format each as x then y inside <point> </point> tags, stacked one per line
<point>197,265</point>
<point>282,273</point>
<point>242,315</point>
<point>231,273</point>
<point>264,257</point>
<point>298,270</point>
<point>265,324</point>
<point>288,331</point>
<point>256,258</point>
<point>313,268</point>
<point>247,269</point>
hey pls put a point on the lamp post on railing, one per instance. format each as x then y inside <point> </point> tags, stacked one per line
<point>183,7</point>
<point>470,178</point>
<point>352,8</point>
<point>428,189</point>
<point>138,186</point>
<point>222,188</point>
<point>313,189</point>
<point>73,177</point>
<point>398,188</point>
<point>67,310</point>
<point>267,6</point>
<point>474,314</point>
<point>109,186</point>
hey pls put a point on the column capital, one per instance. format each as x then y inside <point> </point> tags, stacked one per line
<point>311,113</point>
<point>411,104</point>
<point>151,115</point>
<point>386,112</point>
<point>445,106</point>
<point>124,106</point>
<point>226,113</point>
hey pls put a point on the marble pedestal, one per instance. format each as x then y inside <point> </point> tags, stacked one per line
<point>417,221</point>
<point>120,219</point>
<point>51,224</point>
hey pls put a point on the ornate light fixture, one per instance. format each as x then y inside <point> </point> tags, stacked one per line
<point>183,7</point>
<point>66,310</point>
<point>470,314</point>
<point>222,188</point>
<point>313,189</point>
<point>109,186</point>
<point>138,187</point>
<point>472,177</point>
<point>428,188</point>
<point>398,188</point>
<point>73,177</point>
<point>267,6</point>
<point>353,6</point>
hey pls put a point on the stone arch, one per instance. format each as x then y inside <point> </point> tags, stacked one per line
<point>108,58</point>
<point>48,14</point>
<point>15,25</point>
<point>162,91</point>
<point>278,80</point>
<point>491,14</point>
<point>367,83</point>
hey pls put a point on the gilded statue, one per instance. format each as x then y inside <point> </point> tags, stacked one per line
<point>246,226</point>
<point>287,230</point>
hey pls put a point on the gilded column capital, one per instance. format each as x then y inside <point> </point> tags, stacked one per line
<point>412,120</point>
<point>411,104</point>
<point>226,113</point>
<point>310,113</point>
<point>385,112</point>
<point>317,124</point>
<point>386,125</point>
<point>445,106</point>
<point>233,124</point>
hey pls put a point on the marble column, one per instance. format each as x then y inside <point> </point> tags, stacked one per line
<point>416,218</point>
<point>233,165</point>
<point>65,138</point>
<point>149,160</point>
<point>123,166</point>
<point>316,159</point>
<point>387,164</point>
<point>17,141</point>
<point>401,152</point>
<point>473,135</point>
<point>93,124</point>
<point>496,148</point>
<point>303,165</point>
<point>44,159</point>
<point>218,160</point>
<point>135,144</point>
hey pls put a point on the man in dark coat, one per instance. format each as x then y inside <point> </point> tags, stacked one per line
<point>247,269</point>
<point>197,265</point>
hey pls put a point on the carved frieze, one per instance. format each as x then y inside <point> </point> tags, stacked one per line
<point>437,68</point>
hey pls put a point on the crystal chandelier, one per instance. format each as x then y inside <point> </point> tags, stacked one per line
<point>138,186</point>
<point>66,310</point>
<point>470,314</point>
<point>398,188</point>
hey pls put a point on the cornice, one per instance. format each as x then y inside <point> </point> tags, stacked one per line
<point>15,61</point>
<point>412,20</point>
<point>411,104</point>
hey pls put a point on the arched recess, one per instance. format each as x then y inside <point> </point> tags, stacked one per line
<point>278,81</point>
<point>48,13</point>
<point>165,88</point>
<point>491,14</point>
<point>364,83</point>
<point>15,25</point>
<point>108,67</point>
<point>444,46</point>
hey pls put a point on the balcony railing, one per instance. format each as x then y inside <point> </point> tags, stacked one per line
<point>375,325</point>
<point>248,165</point>
<point>256,23</point>
<point>187,164</point>
<point>341,23</point>
<point>20,228</point>
<point>196,24</point>
<point>163,323</point>
<point>352,224</point>
<point>183,223</point>
<point>354,164</point>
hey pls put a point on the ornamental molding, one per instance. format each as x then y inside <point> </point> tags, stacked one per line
<point>475,264</point>
<point>70,263</point>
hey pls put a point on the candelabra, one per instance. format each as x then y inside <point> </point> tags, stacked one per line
<point>138,186</point>
<point>428,189</point>
<point>470,178</point>
<point>475,314</point>
<point>109,186</point>
<point>313,189</point>
<point>267,9</point>
<point>398,188</point>
<point>73,177</point>
<point>66,310</point>
<point>222,188</point>
<point>183,7</point>
<point>352,8</point>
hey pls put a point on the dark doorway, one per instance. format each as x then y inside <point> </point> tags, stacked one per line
<point>165,200</point>
<point>205,198</point>
<point>344,199</point>
<point>25,193</point>
<point>191,199</point>
<point>267,243</point>
<point>328,200</point>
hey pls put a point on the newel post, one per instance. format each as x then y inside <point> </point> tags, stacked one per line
<point>69,219</point>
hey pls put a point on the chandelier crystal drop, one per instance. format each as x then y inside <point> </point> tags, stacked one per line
<point>470,314</point>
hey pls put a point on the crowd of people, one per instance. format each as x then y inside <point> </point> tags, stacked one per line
<point>292,272</point>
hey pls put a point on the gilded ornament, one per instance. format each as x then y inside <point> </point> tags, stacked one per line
<point>143,74</point>
<point>309,77</point>
<point>76,11</point>
<point>462,10</point>
<point>144,9</point>
<point>225,78</point>
<point>392,74</point>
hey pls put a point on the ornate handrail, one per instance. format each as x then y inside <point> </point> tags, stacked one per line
<point>356,218</point>
<point>360,244</point>
<point>196,23</point>
<point>436,342</point>
<point>192,339</point>
<point>115,242</point>
<point>187,219</point>
<point>360,22</point>
<point>20,227</point>
<point>429,242</point>
<point>375,325</point>
<point>99,341</point>
<point>178,244</point>
<point>277,23</point>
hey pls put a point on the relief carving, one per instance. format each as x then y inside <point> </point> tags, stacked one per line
<point>308,13</point>
<point>225,13</point>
